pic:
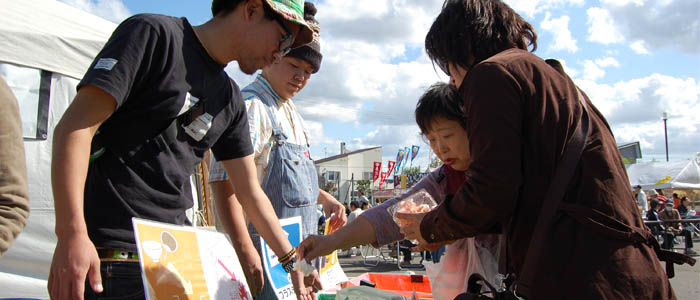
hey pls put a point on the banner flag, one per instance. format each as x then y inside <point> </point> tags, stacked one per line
<point>381,181</point>
<point>390,167</point>
<point>414,152</point>
<point>406,152</point>
<point>399,160</point>
<point>377,169</point>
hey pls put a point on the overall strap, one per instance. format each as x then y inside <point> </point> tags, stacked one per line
<point>277,132</point>
<point>555,193</point>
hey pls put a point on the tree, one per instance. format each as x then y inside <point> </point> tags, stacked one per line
<point>330,187</point>
<point>363,186</point>
<point>411,170</point>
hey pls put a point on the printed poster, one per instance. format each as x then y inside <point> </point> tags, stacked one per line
<point>331,272</point>
<point>179,262</point>
<point>280,280</point>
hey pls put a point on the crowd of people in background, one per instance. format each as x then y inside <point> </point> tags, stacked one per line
<point>660,212</point>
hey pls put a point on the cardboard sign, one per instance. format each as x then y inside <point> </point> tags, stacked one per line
<point>179,262</point>
<point>331,272</point>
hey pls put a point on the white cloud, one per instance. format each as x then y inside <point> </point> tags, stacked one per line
<point>634,108</point>
<point>559,27</point>
<point>594,69</point>
<point>602,28</point>
<point>660,24</point>
<point>607,62</point>
<point>532,7</point>
<point>591,71</point>
<point>639,47</point>
<point>112,10</point>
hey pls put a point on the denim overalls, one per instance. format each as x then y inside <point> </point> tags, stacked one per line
<point>290,182</point>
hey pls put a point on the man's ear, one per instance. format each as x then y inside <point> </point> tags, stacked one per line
<point>253,7</point>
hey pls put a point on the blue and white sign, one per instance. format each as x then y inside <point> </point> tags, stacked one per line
<point>280,280</point>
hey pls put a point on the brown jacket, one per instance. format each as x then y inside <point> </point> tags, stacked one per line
<point>14,197</point>
<point>520,112</point>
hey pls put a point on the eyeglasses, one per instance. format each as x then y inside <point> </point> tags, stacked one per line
<point>287,40</point>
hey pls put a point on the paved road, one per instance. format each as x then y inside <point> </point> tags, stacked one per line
<point>686,283</point>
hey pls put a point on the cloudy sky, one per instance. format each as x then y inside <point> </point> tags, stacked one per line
<point>634,58</point>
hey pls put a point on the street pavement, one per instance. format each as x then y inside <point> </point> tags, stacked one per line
<point>686,283</point>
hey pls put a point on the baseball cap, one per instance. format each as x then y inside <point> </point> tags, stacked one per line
<point>293,11</point>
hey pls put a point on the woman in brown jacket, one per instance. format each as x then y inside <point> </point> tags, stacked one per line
<point>520,113</point>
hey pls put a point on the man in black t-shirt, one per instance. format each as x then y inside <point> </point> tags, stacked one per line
<point>151,104</point>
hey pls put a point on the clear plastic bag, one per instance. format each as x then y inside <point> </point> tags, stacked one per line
<point>418,202</point>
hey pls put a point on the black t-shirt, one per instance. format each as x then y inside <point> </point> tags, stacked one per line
<point>156,68</point>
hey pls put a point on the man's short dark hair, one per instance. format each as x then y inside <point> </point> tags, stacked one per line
<point>225,7</point>
<point>478,29</point>
<point>355,203</point>
<point>441,100</point>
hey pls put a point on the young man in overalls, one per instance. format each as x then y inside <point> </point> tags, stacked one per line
<point>281,149</point>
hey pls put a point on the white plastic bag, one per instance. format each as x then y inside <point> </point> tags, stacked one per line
<point>447,278</point>
<point>461,259</point>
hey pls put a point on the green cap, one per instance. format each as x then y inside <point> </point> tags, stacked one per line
<point>293,10</point>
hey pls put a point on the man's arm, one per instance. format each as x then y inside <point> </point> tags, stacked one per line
<point>75,254</point>
<point>243,177</point>
<point>14,196</point>
<point>232,218</point>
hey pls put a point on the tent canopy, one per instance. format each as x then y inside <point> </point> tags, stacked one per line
<point>665,175</point>
<point>50,35</point>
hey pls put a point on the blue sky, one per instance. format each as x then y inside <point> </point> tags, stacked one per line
<point>634,58</point>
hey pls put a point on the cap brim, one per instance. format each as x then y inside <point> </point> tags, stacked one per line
<point>305,35</point>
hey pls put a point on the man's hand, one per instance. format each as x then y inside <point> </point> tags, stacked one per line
<point>314,282</point>
<point>252,267</point>
<point>411,229</point>
<point>300,289</point>
<point>331,206</point>
<point>74,258</point>
<point>314,246</point>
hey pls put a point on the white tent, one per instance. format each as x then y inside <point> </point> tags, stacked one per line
<point>665,175</point>
<point>45,47</point>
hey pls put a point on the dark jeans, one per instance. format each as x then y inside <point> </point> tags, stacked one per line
<point>405,248</point>
<point>437,254</point>
<point>120,280</point>
<point>668,239</point>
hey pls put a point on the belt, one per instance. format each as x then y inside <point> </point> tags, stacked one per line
<point>117,254</point>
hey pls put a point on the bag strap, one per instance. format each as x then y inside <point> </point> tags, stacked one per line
<point>555,193</point>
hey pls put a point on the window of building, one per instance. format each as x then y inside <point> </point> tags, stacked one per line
<point>367,175</point>
<point>333,175</point>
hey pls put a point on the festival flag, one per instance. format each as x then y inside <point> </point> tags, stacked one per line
<point>381,181</point>
<point>406,152</point>
<point>390,166</point>
<point>376,171</point>
<point>414,153</point>
<point>399,160</point>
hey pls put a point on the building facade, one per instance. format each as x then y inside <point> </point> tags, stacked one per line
<point>345,169</point>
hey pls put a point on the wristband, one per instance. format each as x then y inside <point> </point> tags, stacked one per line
<point>287,256</point>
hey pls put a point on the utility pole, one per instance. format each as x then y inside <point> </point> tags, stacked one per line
<point>664,116</point>
<point>352,186</point>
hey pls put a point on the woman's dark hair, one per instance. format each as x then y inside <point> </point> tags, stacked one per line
<point>226,6</point>
<point>478,29</point>
<point>441,100</point>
